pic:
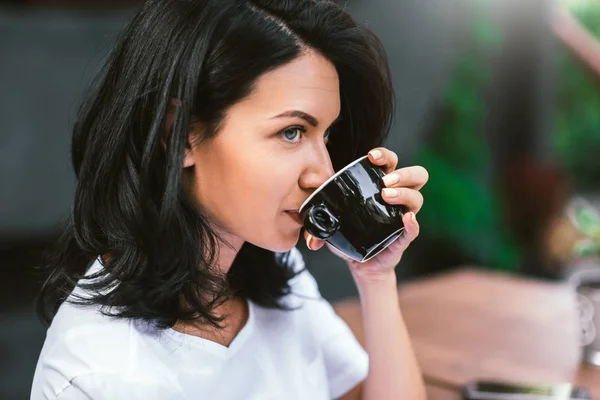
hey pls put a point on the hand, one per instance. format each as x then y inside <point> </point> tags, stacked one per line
<point>402,187</point>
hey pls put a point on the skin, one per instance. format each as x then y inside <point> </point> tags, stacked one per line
<point>576,36</point>
<point>261,165</point>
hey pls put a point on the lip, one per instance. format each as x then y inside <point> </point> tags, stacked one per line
<point>295,216</point>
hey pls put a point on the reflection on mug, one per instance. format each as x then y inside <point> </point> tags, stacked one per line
<point>364,223</point>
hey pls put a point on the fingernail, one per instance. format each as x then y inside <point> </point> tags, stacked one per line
<point>308,239</point>
<point>412,217</point>
<point>390,179</point>
<point>376,154</point>
<point>390,192</point>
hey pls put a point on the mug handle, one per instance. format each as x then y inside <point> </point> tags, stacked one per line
<point>320,222</point>
<point>586,319</point>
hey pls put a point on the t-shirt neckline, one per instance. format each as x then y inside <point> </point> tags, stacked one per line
<point>216,348</point>
<point>206,344</point>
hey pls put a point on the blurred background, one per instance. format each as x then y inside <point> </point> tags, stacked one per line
<point>498,99</point>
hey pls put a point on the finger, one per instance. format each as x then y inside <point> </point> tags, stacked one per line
<point>338,253</point>
<point>312,242</point>
<point>411,231</point>
<point>410,198</point>
<point>384,158</point>
<point>411,177</point>
<point>411,226</point>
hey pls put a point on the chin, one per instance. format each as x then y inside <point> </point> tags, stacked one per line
<point>280,244</point>
<point>283,247</point>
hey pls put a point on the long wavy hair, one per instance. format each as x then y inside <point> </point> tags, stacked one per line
<point>129,201</point>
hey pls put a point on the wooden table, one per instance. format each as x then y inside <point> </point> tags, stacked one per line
<point>472,324</point>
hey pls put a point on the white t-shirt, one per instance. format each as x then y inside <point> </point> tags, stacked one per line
<point>308,354</point>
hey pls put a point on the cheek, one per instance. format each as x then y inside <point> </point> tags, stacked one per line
<point>248,181</point>
<point>270,178</point>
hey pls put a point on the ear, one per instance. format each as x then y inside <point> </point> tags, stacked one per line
<point>196,130</point>
<point>188,159</point>
<point>174,104</point>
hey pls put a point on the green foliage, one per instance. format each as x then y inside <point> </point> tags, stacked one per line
<point>461,204</point>
<point>465,212</point>
<point>576,134</point>
<point>586,218</point>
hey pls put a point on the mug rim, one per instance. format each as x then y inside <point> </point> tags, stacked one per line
<point>313,194</point>
<point>370,256</point>
<point>584,276</point>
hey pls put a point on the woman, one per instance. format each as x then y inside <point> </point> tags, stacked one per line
<point>177,276</point>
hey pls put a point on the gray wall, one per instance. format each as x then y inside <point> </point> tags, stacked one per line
<point>46,60</point>
<point>422,38</point>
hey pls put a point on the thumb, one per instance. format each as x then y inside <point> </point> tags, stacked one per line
<point>312,242</point>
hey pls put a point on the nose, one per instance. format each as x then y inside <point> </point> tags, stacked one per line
<point>317,170</point>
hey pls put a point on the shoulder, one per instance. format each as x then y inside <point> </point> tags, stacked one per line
<point>86,351</point>
<point>86,341</point>
<point>82,341</point>
<point>78,343</point>
<point>81,332</point>
<point>110,386</point>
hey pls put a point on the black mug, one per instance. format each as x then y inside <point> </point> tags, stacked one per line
<point>349,213</point>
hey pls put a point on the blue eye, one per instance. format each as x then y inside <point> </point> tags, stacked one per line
<point>290,134</point>
<point>326,135</point>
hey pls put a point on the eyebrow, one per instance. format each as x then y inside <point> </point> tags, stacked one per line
<point>298,114</point>
<point>301,114</point>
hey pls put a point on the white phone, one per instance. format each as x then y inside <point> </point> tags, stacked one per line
<point>496,390</point>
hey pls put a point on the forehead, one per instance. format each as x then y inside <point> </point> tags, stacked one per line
<point>309,83</point>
